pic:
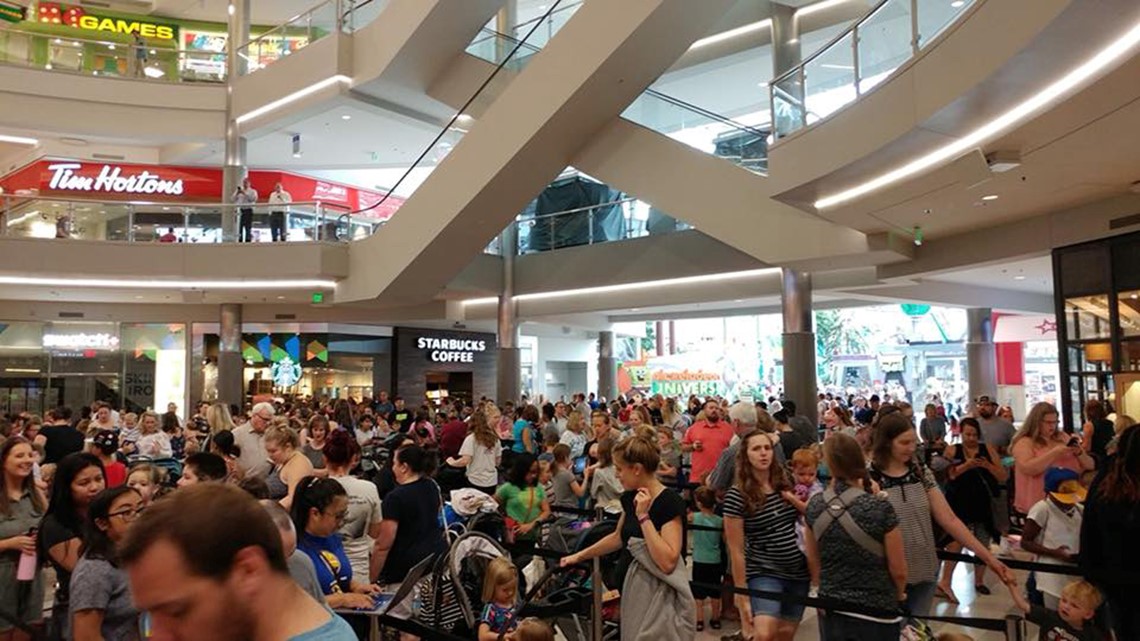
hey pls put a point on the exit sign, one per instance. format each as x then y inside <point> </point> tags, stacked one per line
<point>318,298</point>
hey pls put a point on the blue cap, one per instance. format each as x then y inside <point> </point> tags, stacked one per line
<point>1055,476</point>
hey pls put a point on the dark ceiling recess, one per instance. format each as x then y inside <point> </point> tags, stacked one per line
<point>71,314</point>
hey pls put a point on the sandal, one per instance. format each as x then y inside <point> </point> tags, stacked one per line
<point>714,624</point>
<point>982,589</point>
<point>700,626</point>
<point>945,593</point>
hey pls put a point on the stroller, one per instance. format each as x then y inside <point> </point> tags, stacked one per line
<point>576,583</point>
<point>452,593</point>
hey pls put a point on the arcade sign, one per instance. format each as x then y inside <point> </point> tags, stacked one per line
<point>75,16</point>
<point>450,350</point>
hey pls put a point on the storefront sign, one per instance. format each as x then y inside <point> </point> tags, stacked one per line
<point>55,13</point>
<point>329,192</point>
<point>686,383</point>
<point>450,350</point>
<point>81,341</point>
<point>112,179</point>
<point>285,372</point>
<point>12,12</point>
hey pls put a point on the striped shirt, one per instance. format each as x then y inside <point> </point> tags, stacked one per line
<point>770,547</point>
<point>907,494</point>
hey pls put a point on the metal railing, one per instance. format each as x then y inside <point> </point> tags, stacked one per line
<point>302,30</point>
<point>858,59</point>
<point>110,58</point>
<point>620,219</point>
<point>177,222</point>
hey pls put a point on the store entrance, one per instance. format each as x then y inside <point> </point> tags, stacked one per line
<point>444,387</point>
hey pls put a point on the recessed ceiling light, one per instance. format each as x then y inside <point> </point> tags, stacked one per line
<point>990,197</point>
<point>1019,278</point>
<point>346,117</point>
<point>957,4</point>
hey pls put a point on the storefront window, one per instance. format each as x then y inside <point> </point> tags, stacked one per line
<point>1087,317</point>
<point>1128,309</point>
<point>154,367</point>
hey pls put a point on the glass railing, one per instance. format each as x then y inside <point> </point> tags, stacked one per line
<point>743,145</point>
<point>108,58</point>
<point>36,217</point>
<point>857,60</point>
<point>300,31</point>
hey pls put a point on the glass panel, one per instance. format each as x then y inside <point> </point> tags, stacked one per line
<point>1090,357</point>
<point>829,79</point>
<point>935,15</point>
<point>298,33</point>
<point>205,225</point>
<point>884,42</point>
<point>787,105</point>
<point>1087,317</point>
<point>1129,356</point>
<point>745,147</point>
<point>1128,309</point>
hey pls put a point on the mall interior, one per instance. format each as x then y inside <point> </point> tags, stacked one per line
<point>497,199</point>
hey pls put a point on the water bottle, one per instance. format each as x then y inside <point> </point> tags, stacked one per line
<point>26,570</point>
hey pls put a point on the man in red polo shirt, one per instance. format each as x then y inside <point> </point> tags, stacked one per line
<point>706,440</point>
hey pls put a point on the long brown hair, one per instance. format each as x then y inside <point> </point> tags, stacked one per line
<point>844,458</point>
<point>1122,482</point>
<point>481,428</point>
<point>29,484</point>
<point>746,480</point>
<point>889,427</point>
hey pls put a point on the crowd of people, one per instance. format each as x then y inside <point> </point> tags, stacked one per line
<point>150,523</point>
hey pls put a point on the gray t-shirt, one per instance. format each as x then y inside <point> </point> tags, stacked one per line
<point>997,432</point>
<point>335,629</point>
<point>563,492</point>
<point>363,513</point>
<point>305,574</point>
<point>98,585</point>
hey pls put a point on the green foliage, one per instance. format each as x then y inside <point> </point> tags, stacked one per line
<point>836,332</point>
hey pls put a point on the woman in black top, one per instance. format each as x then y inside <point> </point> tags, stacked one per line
<point>79,478</point>
<point>650,511</point>
<point>411,510</point>
<point>1109,531</point>
<point>975,478</point>
<point>1097,430</point>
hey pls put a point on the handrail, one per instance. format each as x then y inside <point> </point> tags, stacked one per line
<point>158,203</point>
<point>577,210</point>
<point>573,5</point>
<point>797,75</point>
<point>288,22</point>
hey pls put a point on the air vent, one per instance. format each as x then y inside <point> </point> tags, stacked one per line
<point>1124,221</point>
<point>285,316</point>
<point>108,157</point>
<point>71,314</point>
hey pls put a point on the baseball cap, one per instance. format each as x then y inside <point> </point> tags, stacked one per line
<point>985,400</point>
<point>1064,485</point>
<point>106,440</point>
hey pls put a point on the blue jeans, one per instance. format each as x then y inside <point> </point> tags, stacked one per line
<point>840,627</point>
<point>778,609</point>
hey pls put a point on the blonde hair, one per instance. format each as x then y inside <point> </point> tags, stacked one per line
<point>532,629</point>
<point>1123,422</point>
<point>1084,593</point>
<point>639,449</point>
<point>218,418</point>
<point>142,421</point>
<point>499,572</point>
<point>282,434</point>
<point>1031,428</point>
<point>575,420</point>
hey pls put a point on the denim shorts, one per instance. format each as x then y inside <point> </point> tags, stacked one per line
<point>778,609</point>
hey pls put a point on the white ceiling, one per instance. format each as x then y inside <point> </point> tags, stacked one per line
<point>1034,275</point>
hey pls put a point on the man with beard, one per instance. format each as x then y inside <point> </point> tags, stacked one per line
<point>706,440</point>
<point>207,563</point>
<point>996,431</point>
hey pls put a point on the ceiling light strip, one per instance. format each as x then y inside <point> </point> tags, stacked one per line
<point>1068,83</point>
<point>18,140</point>
<point>293,97</point>
<point>124,283</point>
<point>625,287</point>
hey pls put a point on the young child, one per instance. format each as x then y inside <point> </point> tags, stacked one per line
<point>147,479</point>
<point>532,629</point>
<point>567,490</point>
<point>500,594</point>
<point>670,456</point>
<point>1073,617</point>
<point>707,557</point>
<point>104,444</point>
<point>546,476</point>
<point>1053,529</point>
<point>548,444</point>
<point>805,468</point>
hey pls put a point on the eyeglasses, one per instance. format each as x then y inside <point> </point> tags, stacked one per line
<point>128,514</point>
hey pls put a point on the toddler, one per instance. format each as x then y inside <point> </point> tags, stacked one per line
<point>707,557</point>
<point>532,629</point>
<point>1073,617</point>
<point>500,594</point>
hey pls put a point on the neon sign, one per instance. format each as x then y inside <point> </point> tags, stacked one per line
<point>81,341</point>
<point>111,179</point>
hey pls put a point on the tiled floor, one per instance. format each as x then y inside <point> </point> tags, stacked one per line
<point>995,606</point>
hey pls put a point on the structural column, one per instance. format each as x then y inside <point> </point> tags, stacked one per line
<point>505,22</point>
<point>607,367</point>
<point>981,354</point>
<point>787,55</point>
<point>234,168</point>
<point>231,389</point>
<point>799,343</point>
<point>509,370</point>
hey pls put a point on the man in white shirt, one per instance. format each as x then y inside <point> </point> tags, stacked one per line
<point>254,460</point>
<point>279,201</point>
<point>245,197</point>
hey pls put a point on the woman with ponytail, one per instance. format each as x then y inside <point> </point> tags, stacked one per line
<point>869,570</point>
